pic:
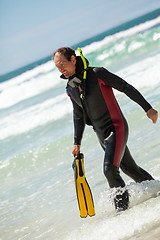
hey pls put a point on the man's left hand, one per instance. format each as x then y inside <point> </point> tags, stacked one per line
<point>152,114</point>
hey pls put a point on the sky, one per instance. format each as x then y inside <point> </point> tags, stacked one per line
<point>33,29</point>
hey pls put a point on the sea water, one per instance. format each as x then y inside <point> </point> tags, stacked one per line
<point>37,192</point>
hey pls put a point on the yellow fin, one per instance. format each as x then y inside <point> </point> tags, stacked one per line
<point>84,195</point>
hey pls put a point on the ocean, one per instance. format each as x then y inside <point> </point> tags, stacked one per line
<point>37,191</point>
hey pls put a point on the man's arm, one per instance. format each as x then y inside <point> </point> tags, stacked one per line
<point>121,85</point>
<point>79,126</point>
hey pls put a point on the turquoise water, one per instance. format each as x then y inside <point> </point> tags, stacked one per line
<point>37,191</point>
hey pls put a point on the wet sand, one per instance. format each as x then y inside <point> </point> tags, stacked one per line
<point>153,234</point>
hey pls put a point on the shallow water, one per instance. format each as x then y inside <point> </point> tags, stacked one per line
<point>38,199</point>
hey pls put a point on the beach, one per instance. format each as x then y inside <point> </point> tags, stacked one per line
<point>37,191</point>
<point>150,234</point>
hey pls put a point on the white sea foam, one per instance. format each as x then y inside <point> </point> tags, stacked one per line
<point>19,89</point>
<point>34,116</point>
<point>121,35</point>
<point>144,73</point>
<point>33,73</point>
<point>109,225</point>
<point>156,36</point>
<point>139,193</point>
<point>123,226</point>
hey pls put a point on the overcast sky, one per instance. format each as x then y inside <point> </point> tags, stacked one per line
<point>33,29</point>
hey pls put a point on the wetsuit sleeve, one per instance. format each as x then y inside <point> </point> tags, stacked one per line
<point>121,85</point>
<point>79,123</point>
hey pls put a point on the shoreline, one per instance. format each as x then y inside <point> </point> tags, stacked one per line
<point>152,234</point>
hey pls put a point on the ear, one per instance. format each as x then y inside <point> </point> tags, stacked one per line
<point>73,59</point>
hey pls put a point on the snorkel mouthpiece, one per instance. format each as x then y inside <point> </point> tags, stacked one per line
<point>74,82</point>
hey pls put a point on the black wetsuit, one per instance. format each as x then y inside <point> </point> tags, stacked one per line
<point>101,110</point>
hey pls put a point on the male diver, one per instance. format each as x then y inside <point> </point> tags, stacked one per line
<point>94,103</point>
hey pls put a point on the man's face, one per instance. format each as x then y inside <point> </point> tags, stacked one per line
<point>67,68</point>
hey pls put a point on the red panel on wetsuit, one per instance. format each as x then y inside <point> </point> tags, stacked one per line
<point>116,119</point>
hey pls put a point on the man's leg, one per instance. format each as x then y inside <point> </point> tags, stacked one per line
<point>110,171</point>
<point>112,174</point>
<point>130,168</point>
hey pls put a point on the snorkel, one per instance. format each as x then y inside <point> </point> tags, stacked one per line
<point>84,63</point>
<point>75,81</point>
<point>82,96</point>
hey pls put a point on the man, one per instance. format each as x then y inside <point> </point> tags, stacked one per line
<point>94,104</point>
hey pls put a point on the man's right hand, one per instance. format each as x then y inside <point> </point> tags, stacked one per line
<point>76,150</point>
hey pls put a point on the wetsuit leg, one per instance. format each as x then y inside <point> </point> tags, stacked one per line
<point>112,174</point>
<point>130,168</point>
<point>110,170</point>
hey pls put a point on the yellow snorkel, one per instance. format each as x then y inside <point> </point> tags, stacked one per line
<point>84,62</point>
<point>84,73</point>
